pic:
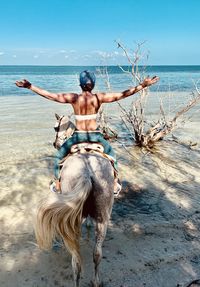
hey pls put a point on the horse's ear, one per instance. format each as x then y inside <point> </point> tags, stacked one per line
<point>57,116</point>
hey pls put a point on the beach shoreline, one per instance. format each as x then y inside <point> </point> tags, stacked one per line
<point>153,236</point>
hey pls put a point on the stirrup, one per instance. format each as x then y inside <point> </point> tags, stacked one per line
<point>53,187</point>
<point>118,189</point>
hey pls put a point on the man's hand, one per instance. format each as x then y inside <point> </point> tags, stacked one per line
<point>149,81</point>
<point>23,84</point>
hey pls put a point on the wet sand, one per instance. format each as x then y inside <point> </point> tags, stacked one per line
<point>153,238</point>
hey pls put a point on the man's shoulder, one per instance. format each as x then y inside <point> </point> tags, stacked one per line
<point>73,97</point>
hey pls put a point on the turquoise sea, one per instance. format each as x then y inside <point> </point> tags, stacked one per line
<point>157,218</point>
<point>65,78</point>
<point>27,119</point>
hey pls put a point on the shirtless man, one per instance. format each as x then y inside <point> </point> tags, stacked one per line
<point>86,106</point>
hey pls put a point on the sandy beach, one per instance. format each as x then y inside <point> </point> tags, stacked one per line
<point>153,238</point>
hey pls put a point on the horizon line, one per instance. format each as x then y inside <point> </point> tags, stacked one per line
<point>154,65</point>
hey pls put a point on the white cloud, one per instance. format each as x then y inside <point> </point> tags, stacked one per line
<point>14,56</point>
<point>66,56</point>
<point>87,56</point>
<point>35,56</point>
<point>104,54</point>
<point>2,53</point>
<point>62,51</point>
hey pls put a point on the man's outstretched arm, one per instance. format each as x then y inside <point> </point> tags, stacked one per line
<point>58,97</point>
<point>113,97</point>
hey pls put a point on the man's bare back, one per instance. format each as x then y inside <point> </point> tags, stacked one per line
<point>86,103</point>
<point>86,106</point>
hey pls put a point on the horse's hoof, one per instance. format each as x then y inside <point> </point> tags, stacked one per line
<point>93,284</point>
<point>194,283</point>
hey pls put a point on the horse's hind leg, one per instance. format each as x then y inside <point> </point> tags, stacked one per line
<point>76,266</point>
<point>101,229</point>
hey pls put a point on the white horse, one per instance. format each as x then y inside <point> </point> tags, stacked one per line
<point>87,184</point>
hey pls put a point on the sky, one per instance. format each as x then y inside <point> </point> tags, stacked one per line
<point>84,32</point>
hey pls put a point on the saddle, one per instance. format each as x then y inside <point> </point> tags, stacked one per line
<point>93,148</point>
<point>88,147</point>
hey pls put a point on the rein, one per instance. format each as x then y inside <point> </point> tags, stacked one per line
<point>57,129</point>
<point>64,129</point>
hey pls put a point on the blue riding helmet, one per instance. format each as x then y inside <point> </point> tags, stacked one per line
<point>87,77</point>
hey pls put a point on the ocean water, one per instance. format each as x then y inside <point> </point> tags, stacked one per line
<point>27,120</point>
<point>65,78</point>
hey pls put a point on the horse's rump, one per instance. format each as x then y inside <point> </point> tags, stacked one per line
<point>101,174</point>
<point>87,189</point>
<point>87,182</point>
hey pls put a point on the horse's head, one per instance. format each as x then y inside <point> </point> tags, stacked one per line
<point>63,128</point>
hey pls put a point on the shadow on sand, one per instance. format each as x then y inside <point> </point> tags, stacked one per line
<point>152,240</point>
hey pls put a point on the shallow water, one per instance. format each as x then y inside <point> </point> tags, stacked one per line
<point>66,78</point>
<point>26,129</point>
<point>160,191</point>
<point>27,120</point>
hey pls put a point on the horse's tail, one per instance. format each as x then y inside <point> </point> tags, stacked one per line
<point>61,215</point>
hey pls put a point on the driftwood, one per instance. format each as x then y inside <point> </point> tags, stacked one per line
<point>134,119</point>
<point>104,126</point>
<point>133,59</point>
<point>144,134</point>
<point>108,132</point>
<point>189,145</point>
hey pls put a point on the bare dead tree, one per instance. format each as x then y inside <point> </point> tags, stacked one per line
<point>135,118</point>
<point>108,132</point>
<point>133,58</point>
